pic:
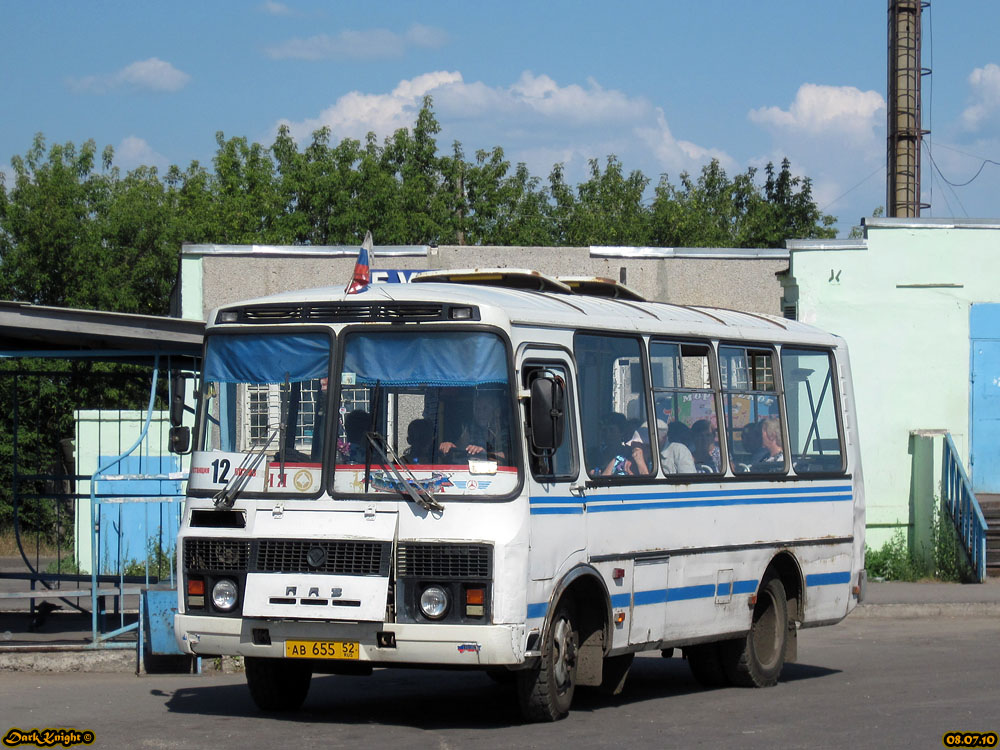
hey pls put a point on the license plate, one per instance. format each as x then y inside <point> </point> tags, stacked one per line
<point>321,649</point>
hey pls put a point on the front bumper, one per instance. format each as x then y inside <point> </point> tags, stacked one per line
<point>431,644</point>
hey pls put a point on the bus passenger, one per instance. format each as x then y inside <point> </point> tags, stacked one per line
<point>770,433</point>
<point>631,457</point>
<point>630,461</point>
<point>487,435</point>
<point>753,444</point>
<point>420,436</point>
<point>706,446</point>
<point>676,455</point>
<point>354,450</point>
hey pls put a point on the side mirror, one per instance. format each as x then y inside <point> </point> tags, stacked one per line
<point>179,439</point>
<point>177,391</point>
<point>548,415</point>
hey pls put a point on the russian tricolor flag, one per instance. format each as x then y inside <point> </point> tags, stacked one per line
<point>362,268</point>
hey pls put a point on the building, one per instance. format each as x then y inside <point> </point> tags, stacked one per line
<point>918,303</point>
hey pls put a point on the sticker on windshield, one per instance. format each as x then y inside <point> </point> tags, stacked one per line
<point>215,470</point>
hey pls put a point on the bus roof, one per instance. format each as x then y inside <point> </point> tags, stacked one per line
<point>517,307</point>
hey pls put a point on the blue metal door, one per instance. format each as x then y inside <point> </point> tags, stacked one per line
<point>984,462</point>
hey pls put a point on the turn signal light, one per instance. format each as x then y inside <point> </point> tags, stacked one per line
<point>196,587</point>
<point>475,601</point>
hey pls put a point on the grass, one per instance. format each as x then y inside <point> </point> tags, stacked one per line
<point>8,545</point>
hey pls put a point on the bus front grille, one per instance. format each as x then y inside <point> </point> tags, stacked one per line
<point>222,555</point>
<point>420,560</point>
<point>341,557</point>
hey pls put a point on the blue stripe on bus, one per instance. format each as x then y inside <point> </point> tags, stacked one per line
<point>687,593</point>
<point>621,600</point>
<point>796,490</point>
<point>542,505</point>
<point>621,505</point>
<point>655,596</point>
<point>557,511</point>
<point>691,592</point>
<point>537,611</point>
<point>826,579</point>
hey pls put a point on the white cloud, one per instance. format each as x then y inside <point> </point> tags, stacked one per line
<point>679,156</point>
<point>144,75</point>
<point>985,85</point>
<point>535,119</point>
<point>276,9</point>
<point>826,110</point>
<point>135,152</point>
<point>835,135</point>
<point>372,44</point>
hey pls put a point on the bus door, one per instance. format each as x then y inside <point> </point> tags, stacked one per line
<point>557,530</point>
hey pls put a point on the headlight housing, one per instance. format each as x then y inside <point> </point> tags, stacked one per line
<point>225,594</point>
<point>434,602</point>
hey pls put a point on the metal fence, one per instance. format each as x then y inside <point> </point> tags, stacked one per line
<point>90,496</point>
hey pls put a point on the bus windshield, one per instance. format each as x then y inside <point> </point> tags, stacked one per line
<point>261,422</point>
<point>436,404</point>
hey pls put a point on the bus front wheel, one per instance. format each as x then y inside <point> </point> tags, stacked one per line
<point>757,660</point>
<point>277,684</point>
<point>545,692</point>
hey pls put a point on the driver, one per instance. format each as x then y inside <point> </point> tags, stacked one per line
<point>486,435</point>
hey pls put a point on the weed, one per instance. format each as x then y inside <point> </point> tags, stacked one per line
<point>895,562</point>
<point>159,562</point>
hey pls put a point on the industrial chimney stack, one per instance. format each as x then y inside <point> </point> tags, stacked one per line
<point>904,123</point>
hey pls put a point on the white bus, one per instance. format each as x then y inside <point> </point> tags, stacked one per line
<point>501,471</point>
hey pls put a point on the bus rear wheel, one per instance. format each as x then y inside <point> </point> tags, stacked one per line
<point>277,684</point>
<point>545,692</point>
<point>705,663</point>
<point>757,660</point>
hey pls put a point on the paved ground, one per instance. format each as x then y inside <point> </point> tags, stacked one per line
<point>865,682</point>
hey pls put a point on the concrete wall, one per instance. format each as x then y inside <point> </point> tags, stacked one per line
<point>901,299</point>
<point>734,278</point>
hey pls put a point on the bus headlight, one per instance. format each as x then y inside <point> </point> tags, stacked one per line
<point>434,602</point>
<point>224,594</point>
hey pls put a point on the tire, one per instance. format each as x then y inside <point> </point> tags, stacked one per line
<point>705,662</point>
<point>757,660</point>
<point>545,692</point>
<point>277,684</point>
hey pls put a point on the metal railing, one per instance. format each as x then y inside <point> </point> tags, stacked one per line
<point>963,507</point>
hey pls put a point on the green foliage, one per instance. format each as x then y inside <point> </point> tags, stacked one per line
<point>896,561</point>
<point>42,395</point>
<point>158,563</point>
<point>893,561</point>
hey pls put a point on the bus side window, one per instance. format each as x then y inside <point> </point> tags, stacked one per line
<point>561,465</point>
<point>752,410</point>
<point>686,416</point>
<point>811,409</point>
<point>616,432</point>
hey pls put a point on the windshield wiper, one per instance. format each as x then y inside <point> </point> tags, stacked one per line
<point>225,498</point>
<point>418,493</point>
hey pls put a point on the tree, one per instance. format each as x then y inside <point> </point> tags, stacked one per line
<point>715,211</point>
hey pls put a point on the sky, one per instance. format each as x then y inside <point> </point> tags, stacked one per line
<point>664,85</point>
